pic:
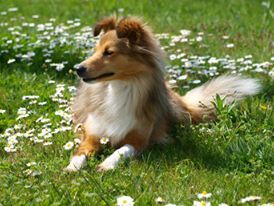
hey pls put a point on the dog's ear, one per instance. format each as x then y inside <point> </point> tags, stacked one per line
<point>131,28</point>
<point>106,24</point>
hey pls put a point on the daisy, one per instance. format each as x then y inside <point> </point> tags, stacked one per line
<point>10,148</point>
<point>159,200</point>
<point>10,61</point>
<point>182,77</point>
<point>13,9</point>
<point>125,201</point>
<point>172,81</point>
<point>51,82</point>
<point>229,45</point>
<point>27,171</point>
<point>196,81</point>
<point>30,97</point>
<point>36,173</point>
<point>172,57</point>
<point>104,140</point>
<point>202,203</point>
<point>2,111</point>
<point>204,195</point>
<point>250,199</point>
<point>68,145</point>
<point>185,32</point>
<point>199,38</point>
<point>225,37</point>
<point>47,143</point>
<point>31,164</point>
<point>42,103</point>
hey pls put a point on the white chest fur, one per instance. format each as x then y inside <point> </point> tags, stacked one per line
<point>117,114</point>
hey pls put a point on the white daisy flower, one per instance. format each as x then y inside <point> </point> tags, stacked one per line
<point>11,61</point>
<point>69,145</point>
<point>47,143</point>
<point>125,201</point>
<point>202,203</point>
<point>199,38</point>
<point>2,111</point>
<point>51,82</point>
<point>31,164</point>
<point>188,64</point>
<point>204,195</point>
<point>172,81</point>
<point>196,81</point>
<point>182,77</point>
<point>10,148</point>
<point>229,45</point>
<point>35,16</point>
<point>42,103</point>
<point>185,32</point>
<point>36,173</point>
<point>32,97</point>
<point>27,171</point>
<point>32,102</point>
<point>104,140</point>
<point>14,9</point>
<point>159,200</point>
<point>250,199</point>
<point>172,57</point>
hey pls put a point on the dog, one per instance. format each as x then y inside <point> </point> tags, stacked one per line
<point>123,94</point>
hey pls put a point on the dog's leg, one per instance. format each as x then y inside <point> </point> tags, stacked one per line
<point>88,146</point>
<point>131,145</point>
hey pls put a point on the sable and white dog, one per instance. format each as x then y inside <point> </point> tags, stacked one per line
<point>123,94</point>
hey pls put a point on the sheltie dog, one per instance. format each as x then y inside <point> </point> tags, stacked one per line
<point>123,94</point>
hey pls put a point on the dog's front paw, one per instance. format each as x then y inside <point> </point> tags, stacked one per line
<point>76,163</point>
<point>105,166</point>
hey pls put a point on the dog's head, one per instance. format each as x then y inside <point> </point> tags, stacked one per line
<point>127,48</point>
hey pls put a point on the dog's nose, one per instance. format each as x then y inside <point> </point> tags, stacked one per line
<point>81,70</point>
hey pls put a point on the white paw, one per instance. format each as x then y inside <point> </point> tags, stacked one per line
<point>109,163</point>
<point>113,160</point>
<point>105,167</point>
<point>76,163</point>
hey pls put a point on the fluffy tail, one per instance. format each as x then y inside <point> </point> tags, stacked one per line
<point>199,101</point>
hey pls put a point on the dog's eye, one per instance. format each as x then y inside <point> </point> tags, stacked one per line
<point>107,53</point>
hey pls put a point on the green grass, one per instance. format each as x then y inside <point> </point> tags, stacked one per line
<point>232,157</point>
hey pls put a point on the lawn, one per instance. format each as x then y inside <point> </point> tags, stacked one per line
<point>232,158</point>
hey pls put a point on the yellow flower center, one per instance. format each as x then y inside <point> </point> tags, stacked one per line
<point>204,193</point>
<point>203,203</point>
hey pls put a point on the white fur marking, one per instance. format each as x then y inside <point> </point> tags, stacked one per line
<point>76,163</point>
<point>112,161</point>
<point>118,114</point>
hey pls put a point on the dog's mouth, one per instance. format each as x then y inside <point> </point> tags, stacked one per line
<point>109,74</point>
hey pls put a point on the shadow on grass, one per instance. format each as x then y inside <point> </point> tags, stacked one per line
<point>185,146</point>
